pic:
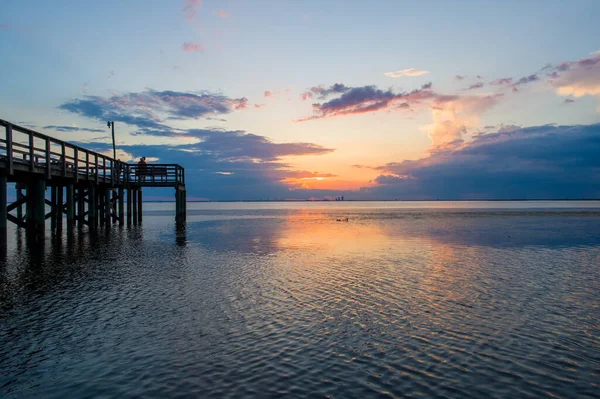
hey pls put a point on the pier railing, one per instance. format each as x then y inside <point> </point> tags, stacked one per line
<point>23,150</point>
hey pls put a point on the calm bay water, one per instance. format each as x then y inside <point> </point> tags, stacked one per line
<point>439,299</point>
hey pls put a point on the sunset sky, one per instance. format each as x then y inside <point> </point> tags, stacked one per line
<point>316,99</point>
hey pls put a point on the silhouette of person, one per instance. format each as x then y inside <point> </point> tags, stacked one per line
<point>142,169</point>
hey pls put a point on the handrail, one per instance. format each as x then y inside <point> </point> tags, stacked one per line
<point>80,162</point>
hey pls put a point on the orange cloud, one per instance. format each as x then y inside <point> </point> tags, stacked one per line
<point>192,47</point>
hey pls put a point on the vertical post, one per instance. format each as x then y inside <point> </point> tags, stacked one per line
<point>139,204</point>
<point>60,209</point>
<point>92,208</point>
<point>107,206</point>
<point>9,151</point>
<point>53,208</point>
<point>135,208</point>
<point>70,207</point>
<point>177,205</point>
<point>31,152</point>
<point>184,201</point>
<point>101,205</point>
<point>129,198</point>
<point>63,152</point>
<point>40,206</point>
<point>30,207</point>
<point>19,197</point>
<point>3,209</point>
<point>121,206</point>
<point>48,165</point>
<point>76,163</point>
<point>81,207</point>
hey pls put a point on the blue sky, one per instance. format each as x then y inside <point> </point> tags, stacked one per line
<point>242,93</point>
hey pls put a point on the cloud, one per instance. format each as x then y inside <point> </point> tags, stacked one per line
<point>501,82</point>
<point>150,108</point>
<point>475,86</point>
<point>73,129</point>
<point>405,72</point>
<point>569,101</point>
<point>358,100</point>
<point>322,92</point>
<point>4,26</point>
<point>454,115</point>
<point>526,79</point>
<point>460,77</point>
<point>578,78</point>
<point>223,14</point>
<point>191,8</point>
<point>535,162</point>
<point>269,93</point>
<point>238,145</point>
<point>192,47</point>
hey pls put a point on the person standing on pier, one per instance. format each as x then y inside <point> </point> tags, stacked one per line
<point>141,172</point>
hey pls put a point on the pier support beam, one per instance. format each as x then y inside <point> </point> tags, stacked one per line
<point>70,206</point>
<point>60,207</point>
<point>39,203</point>
<point>53,208</point>
<point>129,206</point>
<point>3,209</point>
<point>19,197</point>
<point>107,206</point>
<point>139,204</point>
<point>92,207</point>
<point>121,206</point>
<point>134,198</point>
<point>80,207</point>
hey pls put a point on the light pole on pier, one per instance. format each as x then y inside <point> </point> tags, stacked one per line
<point>112,124</point>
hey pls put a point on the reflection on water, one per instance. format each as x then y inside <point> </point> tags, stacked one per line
<point>271,302</point>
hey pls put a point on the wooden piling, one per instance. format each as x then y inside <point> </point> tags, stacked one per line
<point>92,207</point>
<point>139,204</point>
<point>40,206</point>
<point>134,197</point>
<point>60,208</point>
<point>129,206</point>
<point>19,197</point>
<point>121,206</point>
<point>3,209</point>
<point>80,207</point>
<point>107,206</point>
<point>70,206</point>
<point>53,208</point>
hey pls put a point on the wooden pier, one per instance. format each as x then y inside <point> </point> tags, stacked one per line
<point>71,185</point>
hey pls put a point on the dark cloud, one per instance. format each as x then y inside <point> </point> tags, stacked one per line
<point>323,92</point>
<point>535,162</point>
<point>460,77</point>
<point>501,82</point>
<point>236,145</point>
<point>526,79</point>
<point>149,108</point>
<point>73,129</point>
<point>358,100</point>
<point>569,101</point>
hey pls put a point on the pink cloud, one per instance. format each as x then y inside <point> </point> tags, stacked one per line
<point>192,47</point>
<point>190,8</point>
<point>578,78</point>
<point>501,82</point>
<point>223,14</point>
